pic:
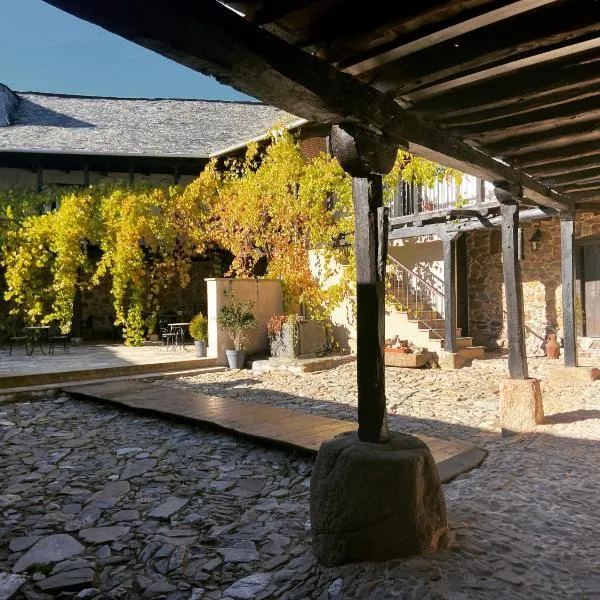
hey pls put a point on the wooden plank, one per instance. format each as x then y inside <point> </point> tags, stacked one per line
<point>513,89</point>
<point>285,427</point>
<point>567,257</point>
<point>565,166</point>
<point>212,39</point>
<point>516,145</point>
<point>367,197</point>
<point>517,357</point>
<point>580,108</point>
<point>445,34</point>
<point>449,249</point>
<point>483,75</point>
<point>524,37</point>
<point>438,229</point>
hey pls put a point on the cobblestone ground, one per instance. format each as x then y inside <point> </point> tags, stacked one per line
<point>101,503</point>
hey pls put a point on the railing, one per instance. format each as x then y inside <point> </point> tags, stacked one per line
<point>420,298</point>
<point>411,199</point>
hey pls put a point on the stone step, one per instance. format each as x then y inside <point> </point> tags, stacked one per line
<point>461,342</point>
<point>472,352</point>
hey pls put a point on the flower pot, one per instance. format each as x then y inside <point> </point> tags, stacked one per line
<point>552,347</point>
<point>200,346</point>
<point>236,358</point>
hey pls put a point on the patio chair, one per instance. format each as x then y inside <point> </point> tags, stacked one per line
<point>55,337</point>
<point>168,338</point>
<point>18,339</point>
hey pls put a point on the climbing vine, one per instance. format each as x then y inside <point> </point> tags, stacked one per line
<point>279,215</point>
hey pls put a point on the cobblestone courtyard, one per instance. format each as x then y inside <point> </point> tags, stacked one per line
<point>102,503</point>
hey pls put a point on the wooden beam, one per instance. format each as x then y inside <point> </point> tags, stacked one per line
<point>513,292</point>
<point>516,145</point>
<point>370,231</point>
<point>212,39</point>
<point>555,115</point>
<point>443,35</point>
<point>567,255</point>
<point>439,229</point>
<point>575,176</point>
<point>551,155</point>
<point>516,105</point>
<point>495,71</point>
<point>513,89</point>
<point>449,248</point>
<point>562,167</point>
<point>525,39</point>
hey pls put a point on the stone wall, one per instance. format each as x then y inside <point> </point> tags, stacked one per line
<point>541,277</point>
<point>98,313</point>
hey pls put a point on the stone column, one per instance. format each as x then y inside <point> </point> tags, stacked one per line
<point>375,495</point>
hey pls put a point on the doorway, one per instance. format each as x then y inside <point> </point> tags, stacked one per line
<point>590,285</point>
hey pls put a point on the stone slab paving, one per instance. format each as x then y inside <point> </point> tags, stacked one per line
<point>231,518</point>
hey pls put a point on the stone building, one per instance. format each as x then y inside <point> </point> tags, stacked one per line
<point>74,141</point>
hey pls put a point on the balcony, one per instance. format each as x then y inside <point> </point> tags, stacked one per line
<point>413,203</point>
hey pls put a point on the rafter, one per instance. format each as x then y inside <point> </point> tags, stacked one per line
<point>443,35</point>
<point>522,37</point>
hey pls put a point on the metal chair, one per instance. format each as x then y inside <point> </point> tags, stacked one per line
<point>18,339</point>
<point>55,337</point>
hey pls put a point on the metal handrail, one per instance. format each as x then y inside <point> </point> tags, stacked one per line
<point>417,296</point>
<point>397,263</point>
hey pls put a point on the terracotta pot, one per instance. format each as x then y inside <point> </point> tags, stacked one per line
<point>552,347</point>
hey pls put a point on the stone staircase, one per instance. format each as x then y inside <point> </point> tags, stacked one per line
<point>416,319</point>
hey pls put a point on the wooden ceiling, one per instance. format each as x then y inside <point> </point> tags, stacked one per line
<point>464,82</point>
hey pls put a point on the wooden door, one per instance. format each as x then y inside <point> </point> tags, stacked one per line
<point>591,282</point>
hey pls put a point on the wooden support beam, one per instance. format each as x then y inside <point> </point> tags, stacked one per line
<point>439,229</point>
<point>564,152</point>
<point>513,291</point>
<point>449,247</point>
<point>367,195</point>
<point>514,88</point>
<point>567,255</point>
<point>364,157</point>
<point>212,39</point>
<point>447,33</point>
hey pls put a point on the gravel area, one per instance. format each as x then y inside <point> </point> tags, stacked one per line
<point>101,503</point>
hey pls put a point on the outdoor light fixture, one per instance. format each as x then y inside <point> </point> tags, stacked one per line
<point>535,239</point>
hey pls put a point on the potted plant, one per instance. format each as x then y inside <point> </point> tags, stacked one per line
<point>236,319</point>
<point>199,332</point>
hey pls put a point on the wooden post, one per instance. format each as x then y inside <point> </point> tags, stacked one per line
<point>366,158</point>
<point>449,246</point>
<point>370,218</point>
<point>517,357</point>
<point>567,239</point>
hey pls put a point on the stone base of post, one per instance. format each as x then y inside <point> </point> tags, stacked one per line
<point>375,502</point>
<point>578,374</point>
<point>451,360</point>
<point>520,405</point>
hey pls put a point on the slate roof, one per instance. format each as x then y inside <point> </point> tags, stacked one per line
<point>58,123</point>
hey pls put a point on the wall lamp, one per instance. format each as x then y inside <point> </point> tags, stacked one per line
<point>535,239</point>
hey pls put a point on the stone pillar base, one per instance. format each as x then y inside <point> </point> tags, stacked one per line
<point>451,360</point>
<point>375,502</point>
<point>582,374</point>
<point>520,405</point>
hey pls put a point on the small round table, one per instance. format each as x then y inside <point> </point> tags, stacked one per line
<point>179,330</point>
<point>35,333</point>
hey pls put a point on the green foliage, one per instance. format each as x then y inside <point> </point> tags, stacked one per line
<point>199,327</point>
<point>236,319</point>
<point>268,209</point>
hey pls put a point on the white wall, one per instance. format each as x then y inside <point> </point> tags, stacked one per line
<point>267,297</point>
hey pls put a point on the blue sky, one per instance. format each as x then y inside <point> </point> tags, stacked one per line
<point>46,50</point>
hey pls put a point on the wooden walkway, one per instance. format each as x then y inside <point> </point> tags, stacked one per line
<point>281,426</point>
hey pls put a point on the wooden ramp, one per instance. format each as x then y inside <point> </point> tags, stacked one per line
<point>281,426</point>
